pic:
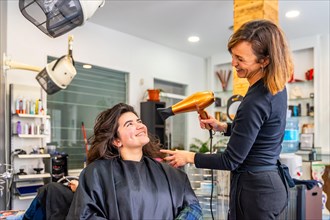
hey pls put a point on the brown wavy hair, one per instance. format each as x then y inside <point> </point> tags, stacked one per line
<point>268,41</point>
<point>106,131</point>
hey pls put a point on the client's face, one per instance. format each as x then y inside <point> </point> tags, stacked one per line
<point>132,132</point>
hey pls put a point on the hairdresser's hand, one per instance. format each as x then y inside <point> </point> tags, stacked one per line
<point>214,123</point>
<point>179,158</point>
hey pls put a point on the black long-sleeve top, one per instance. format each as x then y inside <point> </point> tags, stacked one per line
<point>256,132</point>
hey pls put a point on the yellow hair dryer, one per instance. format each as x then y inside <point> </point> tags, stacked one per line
<point>196,102</point>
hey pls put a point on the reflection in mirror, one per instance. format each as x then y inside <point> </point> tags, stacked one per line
<point>232,105</point>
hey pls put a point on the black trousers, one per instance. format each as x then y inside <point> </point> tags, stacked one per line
<point>261,195</point>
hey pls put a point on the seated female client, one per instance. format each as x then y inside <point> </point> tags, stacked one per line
<point>124,181</point>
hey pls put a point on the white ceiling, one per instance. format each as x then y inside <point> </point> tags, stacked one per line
<point>171,22</point>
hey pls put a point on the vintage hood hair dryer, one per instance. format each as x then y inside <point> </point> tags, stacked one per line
<point>196,102</point>
<point>57,75</point>
<point>57,17</point>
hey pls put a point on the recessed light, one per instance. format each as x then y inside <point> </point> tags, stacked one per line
<point>87,66</point>
<point>292,14</point>
<point>193,39</point>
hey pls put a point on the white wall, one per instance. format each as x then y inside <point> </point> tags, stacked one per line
<point>94,44</point>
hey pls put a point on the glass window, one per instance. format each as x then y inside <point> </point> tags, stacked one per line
<point>173,93</point>
<point>90,92</point>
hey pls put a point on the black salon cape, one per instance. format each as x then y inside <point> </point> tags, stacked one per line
<point>118,189</point>
<point>51,203</point>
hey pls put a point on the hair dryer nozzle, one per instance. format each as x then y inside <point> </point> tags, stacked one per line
<point>165,112</point>
<point>195,102</point>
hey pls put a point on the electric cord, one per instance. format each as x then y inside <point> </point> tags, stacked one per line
<point>7,180</point>
<point>212,177</point>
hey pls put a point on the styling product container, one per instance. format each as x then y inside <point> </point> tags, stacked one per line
<point>291,136</point>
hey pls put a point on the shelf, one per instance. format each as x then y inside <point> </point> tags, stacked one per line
<point>301,99</point>
<point>205,192</point>
<point>202,175</point>
<point>25,187</point>
<point>26,197</point>
<point>31,116</point>
<point>32,136</point>
<point>33,176</point>
<point>152,119</point>
<point>302,116</point>
<point>222,92</point>
<point>300,81</point>
<point>33,156</point>
<point>196,181</point>
<point>225,106</point>
<point>206,206</point>
<point>223,197</point>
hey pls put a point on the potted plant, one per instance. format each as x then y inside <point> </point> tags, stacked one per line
<point>200,146</point>
<point>153,95</point>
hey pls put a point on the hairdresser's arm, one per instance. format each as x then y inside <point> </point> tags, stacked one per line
<point>215,124</point>
<point>178,158</point>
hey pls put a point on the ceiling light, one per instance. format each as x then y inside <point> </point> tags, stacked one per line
<point>292,14</point>
<point>87,66</point>
<point>193,39</point>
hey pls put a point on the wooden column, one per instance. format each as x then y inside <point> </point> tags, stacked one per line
<point>244,11</point>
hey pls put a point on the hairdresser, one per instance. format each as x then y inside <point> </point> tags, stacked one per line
<point>261,55</point>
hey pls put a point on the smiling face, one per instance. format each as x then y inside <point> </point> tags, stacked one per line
<point>245,62</point>
<point>133,134</point>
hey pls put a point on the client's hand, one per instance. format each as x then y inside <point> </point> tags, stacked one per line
<point>73,184</point>
<point>179,158</point>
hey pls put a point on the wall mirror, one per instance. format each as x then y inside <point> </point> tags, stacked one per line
<point>232,105</point>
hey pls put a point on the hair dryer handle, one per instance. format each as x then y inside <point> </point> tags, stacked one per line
<point>203,114</point>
